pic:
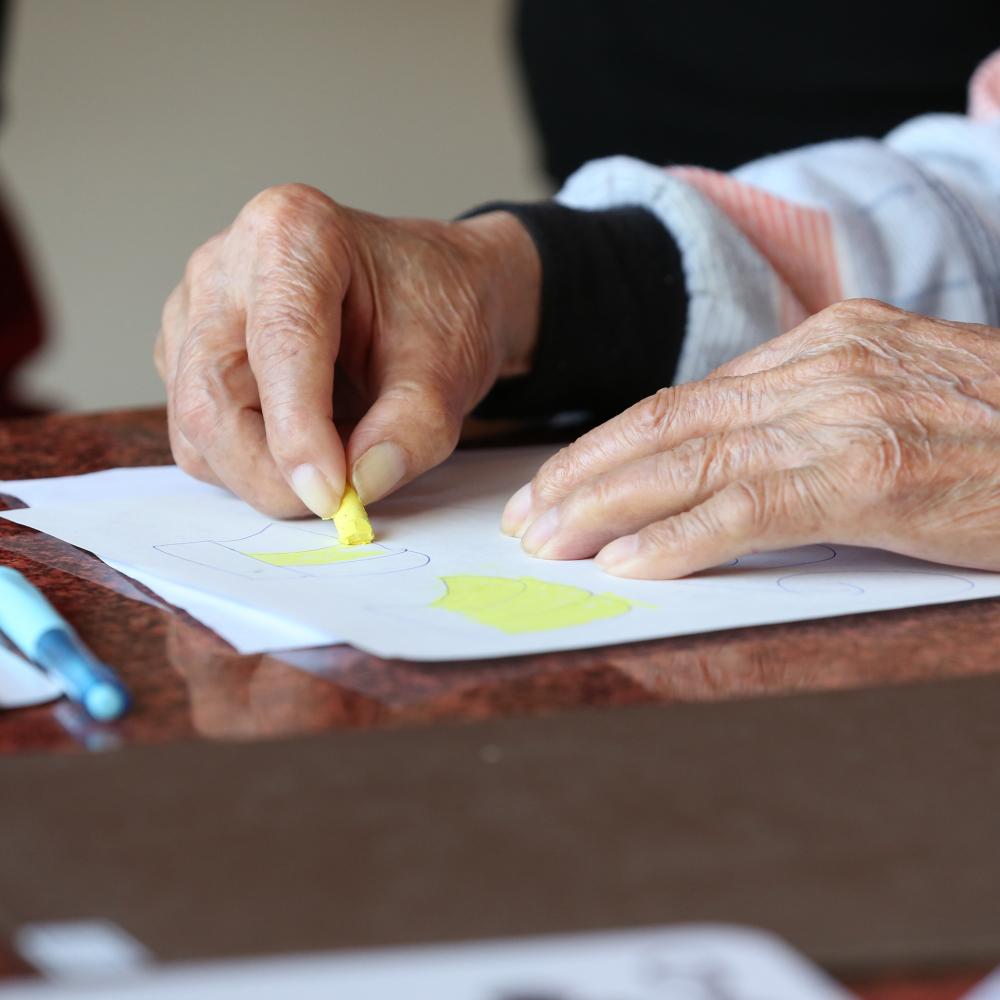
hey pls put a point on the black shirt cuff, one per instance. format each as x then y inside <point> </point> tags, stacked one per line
<point>613,312</point>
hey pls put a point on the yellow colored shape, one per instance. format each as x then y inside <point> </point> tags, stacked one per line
<point>526,604</point>
<point>316,557</point>
<point>351,519</point>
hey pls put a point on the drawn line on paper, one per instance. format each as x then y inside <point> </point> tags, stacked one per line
<point>282,551</point>
<point>745,573</point>
<point>802,555</point>
<point>525,604</point>
<point>872,582</point>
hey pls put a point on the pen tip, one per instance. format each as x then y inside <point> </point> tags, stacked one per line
<point>105,702</point>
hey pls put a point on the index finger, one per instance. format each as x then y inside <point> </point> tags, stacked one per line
<point>659,422</point>
<point>293,336</point>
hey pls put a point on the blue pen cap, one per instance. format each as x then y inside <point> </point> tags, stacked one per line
<point>87,679</point>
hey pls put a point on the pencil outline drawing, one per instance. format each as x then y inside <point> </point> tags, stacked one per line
<point>854,580</point>
<point>249,555</point>
<point>800,555</point>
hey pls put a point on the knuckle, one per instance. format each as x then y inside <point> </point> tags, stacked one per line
<point>558,476</point>
<point>701,464</point>
<point>649,418</point>
<point>862,308</point>
<point>748,504</point>
<point>687,464</point>
<point>849,355</point>
<point>284,202</point>
<point>203,260</point>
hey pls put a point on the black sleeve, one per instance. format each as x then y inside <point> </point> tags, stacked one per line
<point>613,312</point>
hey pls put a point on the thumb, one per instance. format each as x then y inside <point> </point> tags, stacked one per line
<point>412,426</point>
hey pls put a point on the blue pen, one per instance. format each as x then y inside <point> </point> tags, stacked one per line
<point>43,635</point>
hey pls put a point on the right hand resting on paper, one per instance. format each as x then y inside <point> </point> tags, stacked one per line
<point>304,309</point>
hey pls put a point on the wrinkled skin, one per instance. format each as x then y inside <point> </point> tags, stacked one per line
<point>865,425</point>
<point>303,310</point>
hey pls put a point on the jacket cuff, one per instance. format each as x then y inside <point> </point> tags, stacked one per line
<point>612,317</point>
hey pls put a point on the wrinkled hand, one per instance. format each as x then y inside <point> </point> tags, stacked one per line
<point>865,425</point>
<point>304,310</point>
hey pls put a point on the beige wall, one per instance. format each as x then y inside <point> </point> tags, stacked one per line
<point>135,129</point>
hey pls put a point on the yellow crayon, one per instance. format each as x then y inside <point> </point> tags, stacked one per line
<point>351,520</point>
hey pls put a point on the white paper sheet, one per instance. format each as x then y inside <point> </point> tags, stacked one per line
<point>22,684</point>
<point>133,483</point>
<point>443,583</point>
<point>247,630</point>
<point>683,963</point>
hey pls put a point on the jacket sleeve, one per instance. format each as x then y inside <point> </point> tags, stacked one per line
<point>612,314</point>
<point>912,219</point>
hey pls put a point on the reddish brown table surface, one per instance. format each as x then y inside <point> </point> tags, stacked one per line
<point>189,684</point>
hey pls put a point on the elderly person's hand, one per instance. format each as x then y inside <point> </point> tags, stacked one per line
<point>865,425</point>
<point>303,310</point>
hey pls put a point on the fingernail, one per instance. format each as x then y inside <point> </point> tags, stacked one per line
<point>516,513</point>
<point>540,532</point>
<point>617,554</point>
<point>315,491</point>
<point>378,470</point>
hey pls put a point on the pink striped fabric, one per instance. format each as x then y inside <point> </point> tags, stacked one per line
<point>912,219</point>
<point>797,241</point>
